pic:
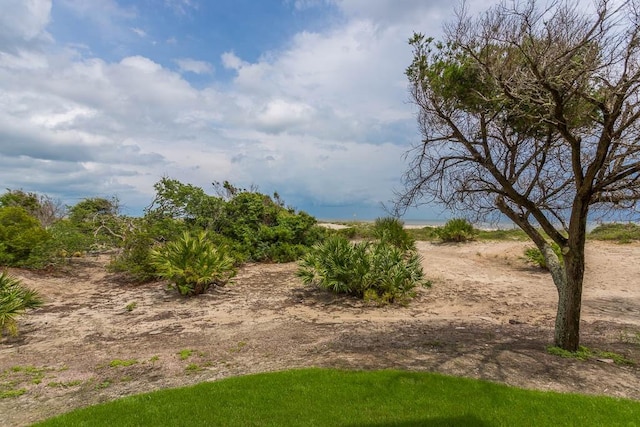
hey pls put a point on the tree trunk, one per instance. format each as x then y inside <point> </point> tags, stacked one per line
<point>567,330</point>
<point>569,284</point>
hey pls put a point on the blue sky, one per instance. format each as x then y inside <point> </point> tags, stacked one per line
<point>304,97</point>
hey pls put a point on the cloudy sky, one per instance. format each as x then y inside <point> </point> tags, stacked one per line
<point>304,97</point>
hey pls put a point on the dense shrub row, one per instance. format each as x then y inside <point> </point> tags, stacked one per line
<point>245,225</point>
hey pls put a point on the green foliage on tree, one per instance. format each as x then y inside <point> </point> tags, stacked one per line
<point>377,271</point>
<point>193,263</point>
<point>99,217</point>
<point>254,226</point>
<point>15,299</point>
<point>185,202</point>
<point>18,198</point>
<point>250,225</point>
<point>20,235</point>
<point>531,111</point>
<point>42,207</point>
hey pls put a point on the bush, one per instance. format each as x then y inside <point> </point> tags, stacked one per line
<point>391,230</point>
<point>534,255</point>
<point>100,219</point>
<point>193,264</point>
<point>623,233</point>
<point>14,300</point>
<point>20,235</point>
<point>135,261</point>
<point>65,240</point>
<point>253,225</point>
<point>373,271</point>
<point>457,230</point>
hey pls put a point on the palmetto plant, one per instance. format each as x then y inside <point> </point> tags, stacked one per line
<point>391,230</point>
<point>15,299</point>
<point>193,263</point>
<point>373,270</point>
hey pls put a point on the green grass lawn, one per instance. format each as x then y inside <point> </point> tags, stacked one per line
<point>320,397</point>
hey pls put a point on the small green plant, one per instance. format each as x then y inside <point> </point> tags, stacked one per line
<point>391,230</point>
<point>193,264</point>
<point>192,368</point>
<point>375,271</point>
<point>585,353</point>
<point>534,255</point>
<point>154,359</point>
<point>457,230</point>
<point>7,394</point>
<point>117,363</point>
<point>15,299</point>
<point>185,354</point>
<point>104,384</point>
<point>14,379</point>
<point>131,306</point>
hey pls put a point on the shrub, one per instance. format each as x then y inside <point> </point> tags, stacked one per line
<point>254,226</point>
<point>135,260</point>
<point>622,233</point>
<point>427,233</point>
<point>15,299</point>
<point>374,271</point>
<point>348,232</point>
<point>20,235</point>
<point>42,207</point>
<point>534,255</point>
<point>193,264</point>
<point>391,230</point>
<point>100,219</point>
<point>65,239</point>
<point>457,230</point>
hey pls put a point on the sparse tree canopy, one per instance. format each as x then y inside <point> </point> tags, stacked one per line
<point>531,110</point>
<point>42,207</point>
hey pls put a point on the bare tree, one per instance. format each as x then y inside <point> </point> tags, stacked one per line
<point>532,112</point>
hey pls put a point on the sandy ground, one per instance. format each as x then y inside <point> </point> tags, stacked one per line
<point>488,315</point>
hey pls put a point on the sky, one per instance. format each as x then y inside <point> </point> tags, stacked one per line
<point>102,98</point>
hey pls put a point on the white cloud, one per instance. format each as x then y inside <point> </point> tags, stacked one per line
<point>231,61</point>
<point>352,77</point>
<point>140,32</point>
<point>23,20</point>
<point>194,66</point>
<point>280,115</point>
<point>323,118</point>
